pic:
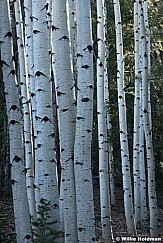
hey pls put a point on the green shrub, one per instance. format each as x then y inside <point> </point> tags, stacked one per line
<point>43,228</point>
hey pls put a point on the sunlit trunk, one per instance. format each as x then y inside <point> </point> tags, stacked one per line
<point>26,111</point>
<point>102,129</point>
<point>148,133</point>
<point>83,138</point>
<point>63,77</point>
<point>142,166</point>
<point>20,201</point>
<point>123,123</point>
<point>136,140</point>
<point>45,158</point>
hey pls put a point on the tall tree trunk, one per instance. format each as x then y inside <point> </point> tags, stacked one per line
<point>123,123</point>
<point>63,78</point>
<point>26,111</point>
<point>83,138</point>
<point>148,39</point>
<point>102,129</point>
<point>30,64</point>
<point>45,163</point>
<point>21,209</point>
<point>142,166</point>
<point>71,12</point>
<point>110,147</point>
<point>108,117</point>
<point>71,25</point>
<point>147,129</point>
<point>136,142</point>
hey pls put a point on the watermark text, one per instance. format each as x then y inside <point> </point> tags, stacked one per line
<point>138,239</point>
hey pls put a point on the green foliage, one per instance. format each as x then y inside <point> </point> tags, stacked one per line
<point>156,77</point>
<point>156,24</point>
<point>43,231</point>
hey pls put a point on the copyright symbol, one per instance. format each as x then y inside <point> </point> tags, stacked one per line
<point>117,239</point>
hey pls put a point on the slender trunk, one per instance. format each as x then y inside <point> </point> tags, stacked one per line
<point>71,25</point>
<point>71,13</point>
<point>148,134</point>
<point>63,77</point>
<point>123,123</point>
<point>83,138</point>
<point>148,39</point>
<point>142,168</point>
<point>136,142</point>
<point>142,165</point>
<point>45,159</point>
<point>108,118</point>
<point>102,130</point>
<point>26,111</point>
<point>21,209</point>
<point>30,78</point>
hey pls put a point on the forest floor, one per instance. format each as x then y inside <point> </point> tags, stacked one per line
<point>7,228</point>
<point>118,218</point>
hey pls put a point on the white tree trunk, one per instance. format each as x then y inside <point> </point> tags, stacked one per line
<point>123,123</point>
<point>63,77</point>
<point>26,111</point>
<point>45,160</point>
<point>83,138</point>
<point>141,137</point>
<point>102,129</point>
<point>71,25</point>
<point>29,59</point>
<point>136,143</point>
<point>71,13</point>
<point>148,39</point>
<point>30,76</point>
<point>142,165</point>
<point>110,147</point>
<point>148,134</point>
<point>108,119</point>
<point>21,209</point>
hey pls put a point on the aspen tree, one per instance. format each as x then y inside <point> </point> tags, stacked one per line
<point>20,201</point>
<point>102,129</point>
<point>45,160</point>
<point>29,59</point>
<point>148,38</point>
<point>147,130</point>
<point>71,24</point>
<point>30,82</point>
<point>142,165</point>
<point>63,77</point>
<point>136,142</point>
<point>110,147</point>
<point>71,13</point>
<point>141,136</point>
<point>83,137</point>
<point>123,123</point>
<point>108,118</point>
<point>30,62</point>
<point>26,110</point>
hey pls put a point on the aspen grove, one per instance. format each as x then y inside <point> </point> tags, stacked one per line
<point>77,116</point>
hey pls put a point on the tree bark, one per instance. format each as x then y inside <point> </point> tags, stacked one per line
<point>147,129</point>
<point>123,123</point>
<point>20,201</point>
<point>45,158</point>
<point>63,77</point>
<point>29,160</point>
<point>102,129</point>
<point>83,138</point>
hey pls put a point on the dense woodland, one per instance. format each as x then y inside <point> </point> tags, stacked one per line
<point>81,109</point>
